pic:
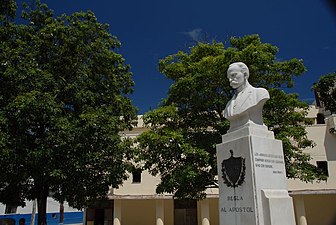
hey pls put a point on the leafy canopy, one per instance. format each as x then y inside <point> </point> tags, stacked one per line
<point>326,91</point>
<point>64,97</point>
<point>184,130</point>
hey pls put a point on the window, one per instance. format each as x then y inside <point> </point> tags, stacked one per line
<point>136,174</point>
<point>320,118</point>
<point>323,165</point>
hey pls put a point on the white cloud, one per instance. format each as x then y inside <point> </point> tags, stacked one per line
<point>194,34</point>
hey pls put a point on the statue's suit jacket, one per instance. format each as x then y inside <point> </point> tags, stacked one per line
<point>244,100</point>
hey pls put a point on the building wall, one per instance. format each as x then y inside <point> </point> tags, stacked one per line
<point>325,150</point>
<point>52,207</point>
<point>320,205</point>
<point>139,212</point>
<point>319,202</point>
<point>169,212</point>
<point>319,209</point>
<point>147,185</point>
<point>214,211</point>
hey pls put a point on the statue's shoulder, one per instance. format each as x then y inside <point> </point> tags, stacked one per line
<point>261,93</point>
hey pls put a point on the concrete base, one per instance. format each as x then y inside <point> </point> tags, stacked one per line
<point>277,207</point>
<point>252,179</point>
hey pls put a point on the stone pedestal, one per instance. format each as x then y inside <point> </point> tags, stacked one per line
<point>252,179</point>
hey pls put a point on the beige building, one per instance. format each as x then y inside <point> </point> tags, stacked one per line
<point>315,203</point>
<point>136,203</point>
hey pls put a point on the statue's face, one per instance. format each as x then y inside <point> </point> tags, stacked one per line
<point>235,76</point>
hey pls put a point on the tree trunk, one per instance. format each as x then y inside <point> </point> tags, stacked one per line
<point>61,217</point>
<point>42,206</point>
<point>32,220</point>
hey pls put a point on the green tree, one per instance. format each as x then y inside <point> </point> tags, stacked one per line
<point>326,91</point>
<point>180,145</point>
<point>7,10</point>
<point>64,97</point>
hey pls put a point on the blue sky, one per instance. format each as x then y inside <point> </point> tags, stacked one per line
<point>149,30</point>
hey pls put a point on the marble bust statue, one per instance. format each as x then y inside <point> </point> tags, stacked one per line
<point>245,107</point>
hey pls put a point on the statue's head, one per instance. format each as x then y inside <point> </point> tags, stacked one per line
<point>237,73</point>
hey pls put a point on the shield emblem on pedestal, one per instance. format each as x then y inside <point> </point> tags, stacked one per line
<point>233,171</point>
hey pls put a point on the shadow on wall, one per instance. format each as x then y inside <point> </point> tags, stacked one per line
<point>330,145</point>
<point>334,221</point>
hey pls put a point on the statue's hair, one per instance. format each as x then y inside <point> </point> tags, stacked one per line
<point>243,68</point>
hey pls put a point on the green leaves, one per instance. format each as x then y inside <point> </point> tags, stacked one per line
<point>326,91</point>
<point>184,130</point>
<point>7,10</point>
<point>64,98</point>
